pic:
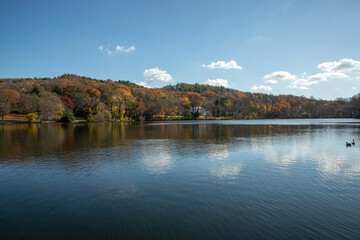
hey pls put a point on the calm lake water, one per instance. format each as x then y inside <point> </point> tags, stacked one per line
<point>255,179</point>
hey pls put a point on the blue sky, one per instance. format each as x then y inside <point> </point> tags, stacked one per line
<point>295,47</point>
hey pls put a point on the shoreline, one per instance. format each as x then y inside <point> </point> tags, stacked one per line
<point>18,120</point>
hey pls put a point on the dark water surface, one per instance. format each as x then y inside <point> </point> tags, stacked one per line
<point>259,179</point>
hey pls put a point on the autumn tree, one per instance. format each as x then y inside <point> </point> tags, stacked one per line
<point>7,99</point>
<point>49,106</point>
<point>185,107</point>
<point>104,100</point>
<point>355,104</point>
<point>83,104</point>
<point>117,107</point>
<point>28,103</point>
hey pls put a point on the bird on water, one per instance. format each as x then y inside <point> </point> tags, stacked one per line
<point>353,142</point>
<point>348,144</point>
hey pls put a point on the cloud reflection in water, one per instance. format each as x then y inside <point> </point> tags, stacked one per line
<point>331,160</point>
<point>156,156</point>
<point>221,165</point>
<point>330,166</point>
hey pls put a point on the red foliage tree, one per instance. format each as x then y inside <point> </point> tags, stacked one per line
<point>67,101</point>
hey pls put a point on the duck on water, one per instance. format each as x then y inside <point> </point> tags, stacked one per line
<point>349,144</point>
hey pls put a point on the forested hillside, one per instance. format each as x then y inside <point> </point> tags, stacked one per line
<point>70,97</point>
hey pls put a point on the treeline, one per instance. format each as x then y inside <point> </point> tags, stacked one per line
<point>69,97</point>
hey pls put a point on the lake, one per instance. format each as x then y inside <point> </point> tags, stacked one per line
<point>246,179</point>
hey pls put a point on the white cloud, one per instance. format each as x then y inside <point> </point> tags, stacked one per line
<point>281,75</point>
<point>152,71</point>
<point>335,75</point>
<point>272,81</point>
<point>222,64</point>
<point>123,49</point>
<point>261,88</point>
<point>325,76</point>
<point>219,82</point>
<point>101,48</point>
<point>343,65</point>
<point>303,83</point>
<point>118,48</point>
<point>144,84</point>
<point>316,77</point>
<point>157,75</point>
<point>299,87</point>
<point>332,70</point>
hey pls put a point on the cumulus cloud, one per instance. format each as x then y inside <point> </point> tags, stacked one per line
<point>303,83</point>
<point>144,84</point>
<point>272,81</point>
<point>156,74</point>
<point>325,76</point>
<point>261,88</point>
<point>124,49</point>
<point>332,70</point>
<point>222,64</point>
<point>281,75</point>
<point>342,65</point>
<point>335,75</point>
<point>219,82</point>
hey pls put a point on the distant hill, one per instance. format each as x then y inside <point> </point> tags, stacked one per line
<point>70,97</point>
